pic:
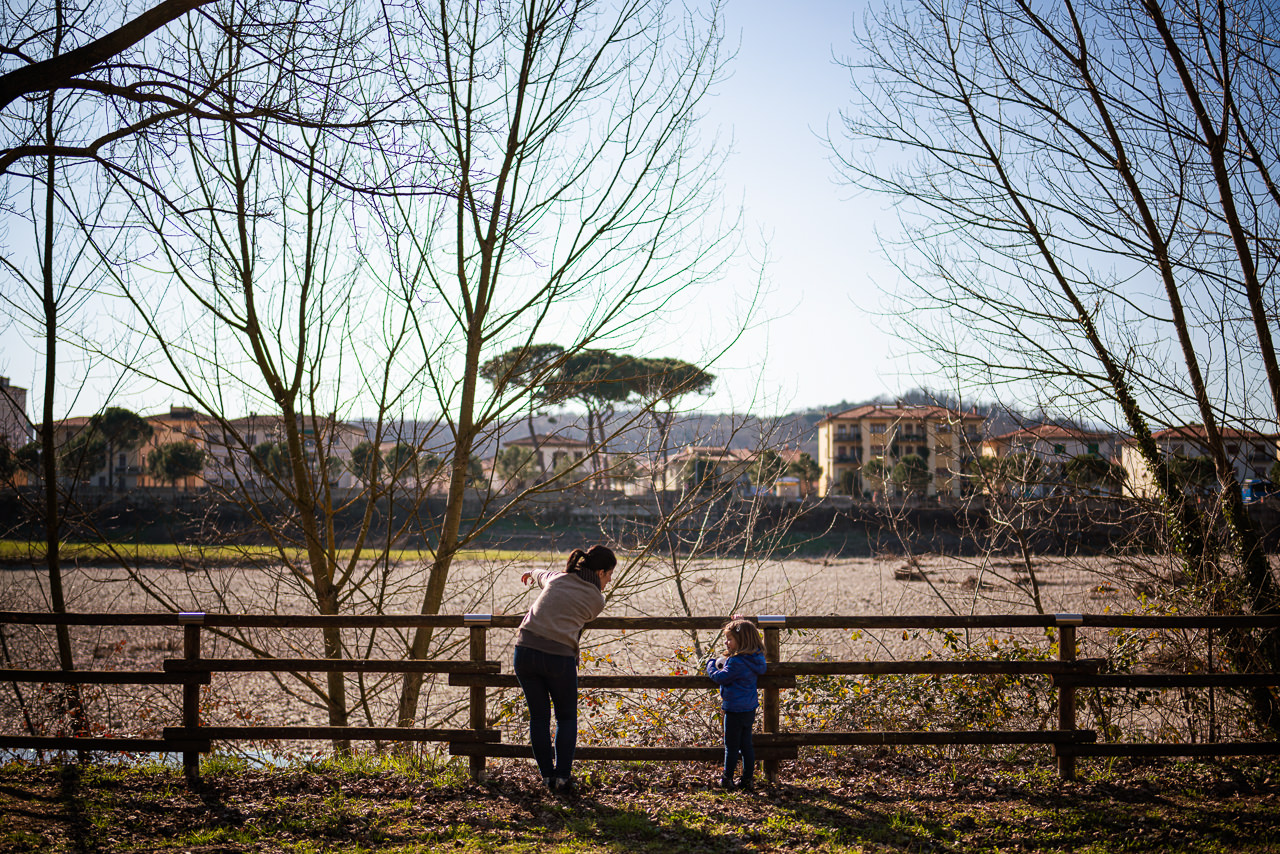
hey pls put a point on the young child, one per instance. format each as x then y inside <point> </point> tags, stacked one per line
<point>736,674</point>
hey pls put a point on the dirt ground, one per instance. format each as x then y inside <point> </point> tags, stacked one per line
<point>929,585</point>
<point>884,803</point>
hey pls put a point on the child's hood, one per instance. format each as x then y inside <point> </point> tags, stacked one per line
<point>755,661</point>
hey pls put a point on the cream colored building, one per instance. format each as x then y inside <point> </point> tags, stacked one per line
<point>1251,454</point>
<point>551,452</point>
<point>332,440</point>
<point>718,467</point>
<point>1052,443</point>
<point>847,441</point>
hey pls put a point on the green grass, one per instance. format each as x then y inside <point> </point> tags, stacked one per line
<point>172,553</point>
<point>400,806</point>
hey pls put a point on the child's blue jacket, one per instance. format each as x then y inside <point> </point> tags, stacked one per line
<point>737,680</point>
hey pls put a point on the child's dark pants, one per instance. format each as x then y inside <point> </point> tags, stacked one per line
<point>737,742</point>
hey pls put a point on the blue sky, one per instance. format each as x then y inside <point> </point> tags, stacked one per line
<point>825,339</point>
<point>819,334</point>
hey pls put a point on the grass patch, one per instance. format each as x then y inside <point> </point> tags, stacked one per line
<point>166,554</point>
<point>874,804</point>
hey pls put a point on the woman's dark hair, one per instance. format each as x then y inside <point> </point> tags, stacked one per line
<point>589,564</point>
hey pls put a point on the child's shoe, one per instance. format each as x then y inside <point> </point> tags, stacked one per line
<point>725,783</point>
<point>565,787</point>
<point>747,785</point>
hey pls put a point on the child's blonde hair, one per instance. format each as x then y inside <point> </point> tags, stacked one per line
<point>746,634</point>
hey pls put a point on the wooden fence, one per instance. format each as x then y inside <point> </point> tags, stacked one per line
<point>478,673</point>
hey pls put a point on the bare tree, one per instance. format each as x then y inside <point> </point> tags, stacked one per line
<point>86,66</point>
<point>575,202</point>
<point>53,210</point>
<point>1087,188</point>
<point>336,211</point>
<point>250,210</point>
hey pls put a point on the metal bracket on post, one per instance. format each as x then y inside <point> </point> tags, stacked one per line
<point>191,618</point>
<point>772,621</point>
<point>1068,619</point>
<point>477,619</point>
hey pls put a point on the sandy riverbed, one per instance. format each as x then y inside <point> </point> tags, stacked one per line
<point>930,585</point>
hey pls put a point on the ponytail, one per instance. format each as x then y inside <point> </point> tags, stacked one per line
<point>589,564</point>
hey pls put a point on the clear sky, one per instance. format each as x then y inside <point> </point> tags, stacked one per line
<point>824,338</point>
<point>819,333</point>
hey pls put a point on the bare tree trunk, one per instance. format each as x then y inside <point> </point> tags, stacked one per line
<point>49,449</point>
<point>451,526</point>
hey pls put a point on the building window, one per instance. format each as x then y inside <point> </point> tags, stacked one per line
<point>842,432</point>
<point>1093,447</point>
<point>1059,449</point>
<point>877,428</point>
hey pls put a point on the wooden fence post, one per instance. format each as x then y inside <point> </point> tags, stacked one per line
<point>479,624</point>
<point>191,622</point>
<point>1213,711</point>
<point>1067,691</point>
<point>772,625</point>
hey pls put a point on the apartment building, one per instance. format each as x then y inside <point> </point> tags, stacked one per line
<point>179,424</point>
<point>228,462</point>
<point>550,452</point>
<point>226,448</point>
<point>1052,443</point>
<point>707,467</point>
<point>15,427</point>
<point>945,438</point>
<point>1251,454</point>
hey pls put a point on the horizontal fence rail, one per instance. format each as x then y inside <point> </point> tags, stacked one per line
<point>479,741</point>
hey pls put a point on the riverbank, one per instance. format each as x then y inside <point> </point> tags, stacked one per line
<point>836,526</point>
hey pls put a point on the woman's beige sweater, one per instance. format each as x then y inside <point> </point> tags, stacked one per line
<point>564,606</point>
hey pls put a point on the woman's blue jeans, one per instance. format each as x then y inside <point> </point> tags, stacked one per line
<point>737,742</point>
<point>550,680</point>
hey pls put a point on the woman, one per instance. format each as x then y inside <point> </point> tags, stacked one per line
<point>546,656</point>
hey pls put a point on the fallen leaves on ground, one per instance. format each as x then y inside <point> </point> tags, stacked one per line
<point>885,802</point>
